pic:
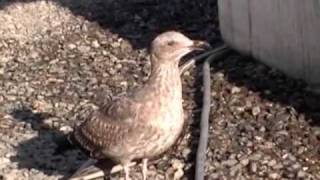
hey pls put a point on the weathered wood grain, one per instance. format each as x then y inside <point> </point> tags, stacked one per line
<point>284,34</point>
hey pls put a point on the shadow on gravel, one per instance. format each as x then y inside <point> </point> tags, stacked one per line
<point>273,85</point>
<point>39,153</point>
<point>139,21</point>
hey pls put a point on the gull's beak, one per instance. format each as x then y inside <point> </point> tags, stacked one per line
<point>200,45</point>
<point>195,45</point>
<point>192,46</point>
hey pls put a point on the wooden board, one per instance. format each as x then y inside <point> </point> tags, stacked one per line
<point>284,34</point>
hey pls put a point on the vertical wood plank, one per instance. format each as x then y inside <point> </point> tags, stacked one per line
<point>289,51</point>
<point>241,25</point>
<point>311,37</point>
<point>283,34</point>
<point>226,23</point>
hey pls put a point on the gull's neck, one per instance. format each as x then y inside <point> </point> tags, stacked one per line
<point>164,82</point>
<point>163,70</point>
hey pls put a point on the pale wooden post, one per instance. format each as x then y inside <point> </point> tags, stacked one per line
<point>284,34</point>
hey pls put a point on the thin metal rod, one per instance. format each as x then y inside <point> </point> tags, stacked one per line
<point>204,124</point>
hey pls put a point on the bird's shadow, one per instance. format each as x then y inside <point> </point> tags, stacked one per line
<point>38,153</point>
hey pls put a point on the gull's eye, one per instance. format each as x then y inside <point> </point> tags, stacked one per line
<point>171,43</point>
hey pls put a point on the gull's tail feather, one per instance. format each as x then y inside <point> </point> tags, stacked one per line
<point>93,169</point>
<point>87,171</point>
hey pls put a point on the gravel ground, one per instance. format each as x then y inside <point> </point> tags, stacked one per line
<point>58,58</point>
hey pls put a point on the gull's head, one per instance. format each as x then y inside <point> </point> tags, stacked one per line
<point>172,46</point>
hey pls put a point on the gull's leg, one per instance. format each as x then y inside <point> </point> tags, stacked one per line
<point>119,167</point>
<point>126,169</point>
<point>144,169</point>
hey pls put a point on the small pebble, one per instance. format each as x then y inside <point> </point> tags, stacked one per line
<point>95,44</point>
<point>301,174</point>
<point>274,175</point>
<point>256,110</point>
<point>253,167</point>
<point>245,162</point>
<point>66,129</point>
<point>71,46</point>
<point>230,162</point>
<point>272,163</point>
<point>214,175</point>
<point>235,90</point>
<point>186,152</point>
<point>177,164</point>
<point>256,156</point>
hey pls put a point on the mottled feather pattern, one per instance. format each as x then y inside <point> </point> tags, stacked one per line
<point>95,130</point>
<point>126,127</point>
<point>149,120</point>
<point>120,109</point>
<point>99,132</point>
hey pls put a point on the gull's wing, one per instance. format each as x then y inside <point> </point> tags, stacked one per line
<point>120,109</point>
<point>105,129</point>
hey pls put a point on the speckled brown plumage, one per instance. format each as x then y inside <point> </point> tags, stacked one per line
<point>148,120</point>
